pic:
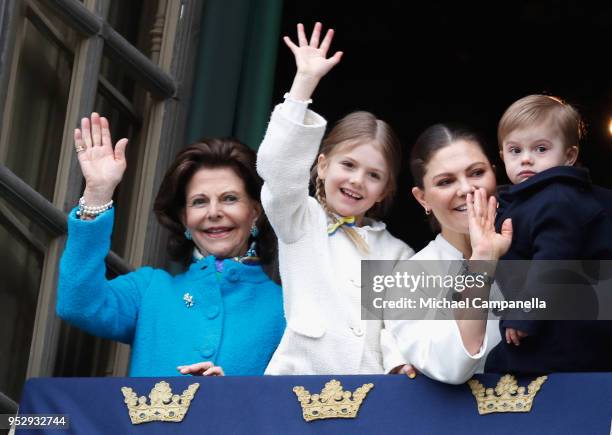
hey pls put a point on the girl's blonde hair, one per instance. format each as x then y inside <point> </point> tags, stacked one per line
<point>354,129</point>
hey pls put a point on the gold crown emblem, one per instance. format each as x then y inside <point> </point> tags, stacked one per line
<point>164,405</point>
<point>507,396</point>
<point>333,402</point>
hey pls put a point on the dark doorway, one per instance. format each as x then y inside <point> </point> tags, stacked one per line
<point>417,63</point>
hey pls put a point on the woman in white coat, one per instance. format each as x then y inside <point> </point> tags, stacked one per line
<point>454,182</point>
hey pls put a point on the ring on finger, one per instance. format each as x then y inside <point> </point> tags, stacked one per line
<point>79,148</point>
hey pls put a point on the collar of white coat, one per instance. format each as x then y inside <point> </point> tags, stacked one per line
<point>445,246</point>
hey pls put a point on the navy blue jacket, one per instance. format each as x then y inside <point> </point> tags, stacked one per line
<point>556,215</point>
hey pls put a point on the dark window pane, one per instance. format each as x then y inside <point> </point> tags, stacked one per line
<point>21,267</point>
<point>38,110</point>
<point>81,354</point>
<point>134,20</point>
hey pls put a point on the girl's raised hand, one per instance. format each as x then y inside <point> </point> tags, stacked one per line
<point>311,56</point>
<point>102,166</point>
<point>486,243</point>
<point>311,60</point>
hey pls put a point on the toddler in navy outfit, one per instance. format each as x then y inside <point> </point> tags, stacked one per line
<point>557,214</point>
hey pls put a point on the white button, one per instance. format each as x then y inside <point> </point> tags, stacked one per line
<point>358,331</point>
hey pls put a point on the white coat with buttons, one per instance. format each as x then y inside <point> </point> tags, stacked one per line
<point>320,273</point>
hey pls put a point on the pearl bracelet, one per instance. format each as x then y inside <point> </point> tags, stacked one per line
<point>86,210</point>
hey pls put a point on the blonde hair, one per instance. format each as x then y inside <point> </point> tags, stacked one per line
<point>355,129</point>
<point>538,109</point>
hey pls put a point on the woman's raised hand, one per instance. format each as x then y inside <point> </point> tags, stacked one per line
<point>102,166</point>
<point>311,60</point>
<point>486,243</point>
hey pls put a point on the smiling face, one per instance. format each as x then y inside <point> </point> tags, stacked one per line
<point>450,174</point>
<point>530,150</point>
<point>219,212</point>
<point>356,178</point>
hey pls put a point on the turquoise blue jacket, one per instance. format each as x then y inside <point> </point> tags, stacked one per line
<point>235,319</point>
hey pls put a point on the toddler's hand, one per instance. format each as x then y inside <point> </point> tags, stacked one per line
<point>514,336</point>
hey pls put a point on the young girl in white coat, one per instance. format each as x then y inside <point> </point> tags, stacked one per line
<point>322,241</point>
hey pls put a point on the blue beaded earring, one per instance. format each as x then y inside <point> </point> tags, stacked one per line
<point>187,234</point>
<point>251,253</point>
